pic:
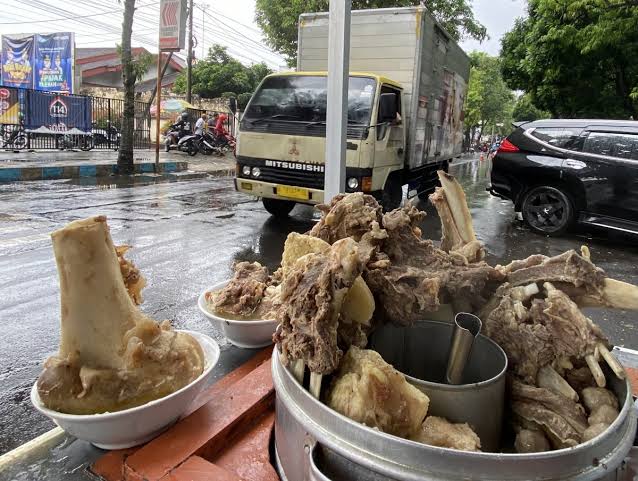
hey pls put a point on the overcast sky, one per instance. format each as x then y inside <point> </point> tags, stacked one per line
<point>97,23</point>
<point>498,16</point>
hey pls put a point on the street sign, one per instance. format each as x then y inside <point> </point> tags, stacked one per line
<point>172,29</point>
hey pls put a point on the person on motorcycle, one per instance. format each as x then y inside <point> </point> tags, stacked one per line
<point>178,129</point>
<point>212,122</point>
<point>220,130</point>
<point>200,125</point>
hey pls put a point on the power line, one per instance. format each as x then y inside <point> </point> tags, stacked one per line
<point>73,17</point>
<point>236,33</point>
<point>88,22</point>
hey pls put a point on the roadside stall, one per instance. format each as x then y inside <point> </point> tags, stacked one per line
<point>379,371</point>
<point>394,357</point>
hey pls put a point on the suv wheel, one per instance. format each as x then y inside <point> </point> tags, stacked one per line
<point>278,208</point>
<point>548,210</point>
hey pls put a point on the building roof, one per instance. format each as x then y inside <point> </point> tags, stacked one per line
<point>148,85</point>
<point>96,61</point>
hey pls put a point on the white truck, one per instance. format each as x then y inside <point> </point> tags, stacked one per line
<point>407,86</point>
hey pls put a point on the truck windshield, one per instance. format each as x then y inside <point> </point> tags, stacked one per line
<point>303,99</point>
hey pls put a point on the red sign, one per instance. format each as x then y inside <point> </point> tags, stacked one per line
<point>172,25</point>
<point>4,94</point>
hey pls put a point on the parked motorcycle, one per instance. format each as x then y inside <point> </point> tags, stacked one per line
<point>14,138</point>
<point>189,144</point>
<point>175,133</point>
<point>107,136</point>
<point>210,144</point>
<point>75,141</point>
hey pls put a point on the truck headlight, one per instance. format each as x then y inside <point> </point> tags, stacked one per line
<point>353,183</point>
<point>245,170</point>
<point>256,171</point>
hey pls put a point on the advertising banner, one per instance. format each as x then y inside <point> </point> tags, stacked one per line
<point>172,25</point>
<point>54,62</point>
<point>9,106</point>
<point>53,113</point>
<point>17,61</point>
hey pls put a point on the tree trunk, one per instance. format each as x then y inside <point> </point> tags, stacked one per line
<point>125,156</point>
<point>624,91</point>
<point>482,126</point>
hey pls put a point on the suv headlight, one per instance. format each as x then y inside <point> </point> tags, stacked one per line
<point>353,183</point>
<point>256,171</point>
<point>245,170</point>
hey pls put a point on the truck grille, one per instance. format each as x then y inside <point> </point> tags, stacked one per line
<point>313,180</point>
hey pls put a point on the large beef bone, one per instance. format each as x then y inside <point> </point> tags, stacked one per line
<point>456,220</point>
<point>615,294</point>
<point>85,271</point>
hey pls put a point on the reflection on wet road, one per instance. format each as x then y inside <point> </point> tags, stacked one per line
<point>185,237</point>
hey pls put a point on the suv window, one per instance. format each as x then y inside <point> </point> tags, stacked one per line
<point>563,138</point>
<point>623,146</point>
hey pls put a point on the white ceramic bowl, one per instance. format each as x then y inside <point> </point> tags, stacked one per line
<point>130,427</point>
<point>246,334</point>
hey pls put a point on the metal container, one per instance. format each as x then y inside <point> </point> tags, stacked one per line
<point>313,442</point>
<point>421,353</point>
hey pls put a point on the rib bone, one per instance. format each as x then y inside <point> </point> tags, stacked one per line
<point>596,371</point>
<point>315,384</point>
<point>612,362</point>
<point>548,378</point>
<point>298,369</point>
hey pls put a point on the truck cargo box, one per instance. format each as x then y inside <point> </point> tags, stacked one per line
<point>408,46</point>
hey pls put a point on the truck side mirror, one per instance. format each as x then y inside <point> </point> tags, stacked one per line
<point>232,104</point>
<point>387,108</point>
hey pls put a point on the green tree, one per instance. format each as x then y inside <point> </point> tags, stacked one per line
<point>279,19</point>
<point>125,155</point>
<point>489,103</point>
<point>576,58</point>
<point>525,110</point>
<point>132,69</point>
<point>243,99</point>
<point>220,73</point>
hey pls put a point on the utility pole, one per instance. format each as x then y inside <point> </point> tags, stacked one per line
<point>189,58</point>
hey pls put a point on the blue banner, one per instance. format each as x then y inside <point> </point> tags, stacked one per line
<point>54,62</point>
<point>17,61</point>
<point>52,113</point>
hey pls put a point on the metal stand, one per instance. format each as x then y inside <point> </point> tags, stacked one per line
<point>337,109</point>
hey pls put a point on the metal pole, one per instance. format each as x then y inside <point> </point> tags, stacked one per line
<point>152,99</point>
<point>337,108</point>
<point>189,58</point>
<point>158,109</point>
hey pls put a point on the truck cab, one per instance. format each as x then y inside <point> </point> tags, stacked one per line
<point>281,141</point>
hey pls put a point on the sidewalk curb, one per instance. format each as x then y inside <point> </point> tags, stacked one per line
<point>18,174</point>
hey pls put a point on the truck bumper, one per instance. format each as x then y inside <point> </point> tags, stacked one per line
<point>266,189</point>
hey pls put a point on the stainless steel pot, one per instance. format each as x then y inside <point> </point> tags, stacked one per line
<point>421,353</point>
<point>313,442</point>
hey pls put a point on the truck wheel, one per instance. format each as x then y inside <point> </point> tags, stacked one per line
<point>392,194</point>
<point>278,208</point>
<point>548,210</point>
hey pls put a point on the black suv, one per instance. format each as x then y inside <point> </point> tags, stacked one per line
<point>558,172</point>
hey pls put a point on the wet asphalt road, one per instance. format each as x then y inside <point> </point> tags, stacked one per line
<point>185,237</point>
